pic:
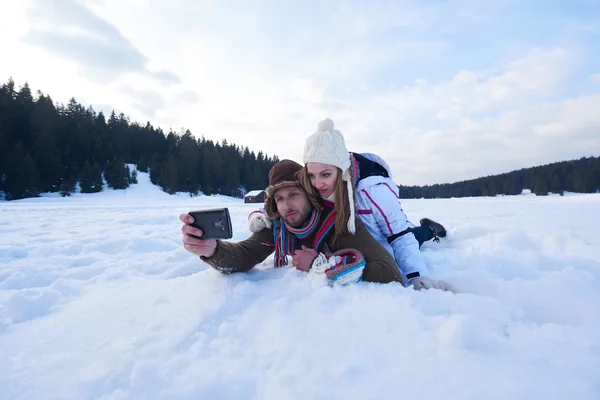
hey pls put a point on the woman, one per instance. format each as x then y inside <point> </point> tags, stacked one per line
<point>362,184</point>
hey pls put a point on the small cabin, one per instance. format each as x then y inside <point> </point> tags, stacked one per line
<point>255,196</point>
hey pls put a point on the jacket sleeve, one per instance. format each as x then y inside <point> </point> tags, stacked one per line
<point>380,265</point>
<point>242,256</point>
<point>392,220</point>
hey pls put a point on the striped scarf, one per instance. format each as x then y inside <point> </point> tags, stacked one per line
<point>286,237</point>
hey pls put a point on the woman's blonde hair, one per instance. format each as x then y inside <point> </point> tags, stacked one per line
<point>341,202</point>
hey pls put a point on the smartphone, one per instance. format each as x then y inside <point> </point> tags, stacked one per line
<point>215,223</point>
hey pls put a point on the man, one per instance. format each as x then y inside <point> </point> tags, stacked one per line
<point>301,229</point>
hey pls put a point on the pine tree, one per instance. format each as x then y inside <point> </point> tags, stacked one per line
<point>8,137</point>
<point>66,187</point>
<point>555,185</point>
<point>169,176</point>
<point>540,188</point>
<point>22,179</point>
<point>25,107</point>
<point>133,177</point>
<point>117,174</point>
<point>575,182</point>
<point>91,178</point>
<point>142,165</point>
<point>100,150</point>
<point>154,171</point>
<point>206,178</point>
<point>188,161</point>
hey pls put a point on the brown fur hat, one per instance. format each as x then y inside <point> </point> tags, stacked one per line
<point>284,174</point>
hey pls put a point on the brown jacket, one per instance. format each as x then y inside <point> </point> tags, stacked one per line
<point>242,256</point>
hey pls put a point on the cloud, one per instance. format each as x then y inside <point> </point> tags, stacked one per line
<point>188,97</point>
<point>155,104</point>
<point>166,77</point>
<point>147,101</point>
<point>478,122</point>
<point>151,98</point>
<point>442,90</point>
<point>69,29</point>
<point>574,118</point>
<point>475,123</point>
<point>474,147</point>
<point>536,75</point>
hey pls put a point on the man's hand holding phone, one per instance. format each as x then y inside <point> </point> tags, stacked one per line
<point>192,241</point>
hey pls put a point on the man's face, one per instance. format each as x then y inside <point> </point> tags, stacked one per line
<point>293,205</point>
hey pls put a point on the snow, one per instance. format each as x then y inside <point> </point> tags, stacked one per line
<point>98,300</point>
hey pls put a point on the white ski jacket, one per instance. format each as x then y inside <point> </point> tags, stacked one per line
<point>378,205</point>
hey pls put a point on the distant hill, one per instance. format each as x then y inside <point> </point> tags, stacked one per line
<point>579,176</point>
<point>47,147</point>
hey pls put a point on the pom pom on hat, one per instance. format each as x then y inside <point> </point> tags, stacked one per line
<point>325,125</point>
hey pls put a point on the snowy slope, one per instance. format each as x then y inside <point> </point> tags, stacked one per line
<point>98,300</point>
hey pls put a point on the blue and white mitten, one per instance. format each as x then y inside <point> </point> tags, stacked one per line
<point>342,267</point>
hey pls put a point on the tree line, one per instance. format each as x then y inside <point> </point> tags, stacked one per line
<point>580,176</point>
<point>48,147</point>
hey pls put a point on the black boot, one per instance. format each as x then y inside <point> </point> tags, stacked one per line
<point>437,228</point>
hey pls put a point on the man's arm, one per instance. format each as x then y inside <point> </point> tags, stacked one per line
<point>242,256</point>
<point>227,257</point>
<point>381,266</point>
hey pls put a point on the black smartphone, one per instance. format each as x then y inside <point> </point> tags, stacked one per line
<point>215,223</point>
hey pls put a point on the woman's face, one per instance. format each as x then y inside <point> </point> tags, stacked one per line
<point>322,177</point>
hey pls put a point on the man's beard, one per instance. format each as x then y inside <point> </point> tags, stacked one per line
<point>297,220</point>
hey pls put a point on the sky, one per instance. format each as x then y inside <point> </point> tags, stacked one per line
<point>442,90</point>
<point>99,300</point>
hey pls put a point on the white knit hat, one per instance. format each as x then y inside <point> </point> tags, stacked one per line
<point>327,146</point>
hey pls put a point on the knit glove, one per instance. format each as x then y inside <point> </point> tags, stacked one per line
<point>429,282</point>
<point>257,221</point>
<point>341,268</point>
